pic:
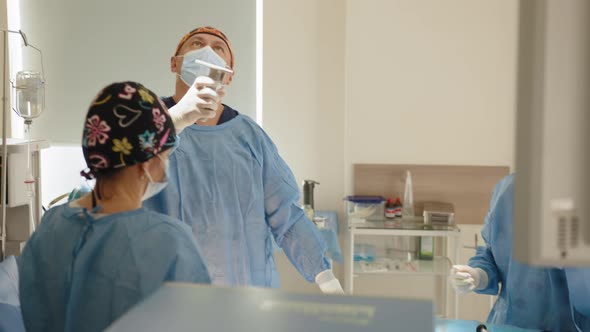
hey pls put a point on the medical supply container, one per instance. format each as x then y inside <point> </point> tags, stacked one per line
<point>365,208</point>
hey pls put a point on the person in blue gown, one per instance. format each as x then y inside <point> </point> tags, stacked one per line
<point>92,259</point>
<point>528,297</point>
<point>231,186</point>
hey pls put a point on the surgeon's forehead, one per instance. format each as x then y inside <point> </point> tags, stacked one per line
<point>203,37</point>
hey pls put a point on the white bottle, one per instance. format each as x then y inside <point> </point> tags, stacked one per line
<point>408,208</point>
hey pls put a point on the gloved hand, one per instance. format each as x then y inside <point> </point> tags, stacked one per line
<point>200,102</point>
<point>465,278</point>
<point>328,283</point>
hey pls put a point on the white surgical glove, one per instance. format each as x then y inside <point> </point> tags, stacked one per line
<point>465,278</point>
<point>328,283</point>
<point>200,102</point>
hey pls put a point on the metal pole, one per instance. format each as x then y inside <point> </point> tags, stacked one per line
<point>4,146</point>
<point>450,242</point>
<point>457,254</point>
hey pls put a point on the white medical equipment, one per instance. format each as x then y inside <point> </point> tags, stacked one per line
<point>439,213</point>
<point>20,158</point>
<point>552,183</point>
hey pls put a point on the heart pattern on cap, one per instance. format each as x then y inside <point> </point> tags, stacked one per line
<point>126,115</point>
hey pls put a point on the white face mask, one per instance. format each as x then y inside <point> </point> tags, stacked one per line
<point>153,188</point>
<point>191,70</point>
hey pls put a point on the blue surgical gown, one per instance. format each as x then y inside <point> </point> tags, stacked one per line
<point>530,297</point>
<point>80,273</point>
<point>230,185</point>
<point>10,315</point>
<point>9,281</point>
<point>578,281</point>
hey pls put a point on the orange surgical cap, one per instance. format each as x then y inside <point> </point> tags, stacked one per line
<point>210,31</point>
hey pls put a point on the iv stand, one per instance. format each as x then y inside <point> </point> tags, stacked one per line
<point>4,128</point>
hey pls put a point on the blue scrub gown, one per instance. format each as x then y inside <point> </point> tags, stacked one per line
<point>10,315</point>
<point>79,272</point>
<point>530,297</point>
<point>578,282</point>
<point>230,185</point>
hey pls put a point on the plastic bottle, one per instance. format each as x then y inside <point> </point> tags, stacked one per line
<point>408,209</point>
<point>308,206</point>
<point>427,246</point>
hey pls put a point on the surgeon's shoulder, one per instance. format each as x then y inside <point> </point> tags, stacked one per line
<point>247,121</point>
<point>506,184</point>
<point>167,226</point>
<point>51,225</point>
<point>52,218</point>
<point>54,211</point>
<point>503,190</point>
<point>247,125</point>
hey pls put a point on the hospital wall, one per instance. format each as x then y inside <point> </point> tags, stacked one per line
<point>388,81</point>
<point>82,54</point>
<point>89,44</point>
<point>431,82</point>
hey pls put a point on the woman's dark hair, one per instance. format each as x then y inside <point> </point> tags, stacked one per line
<point>103,177</point>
